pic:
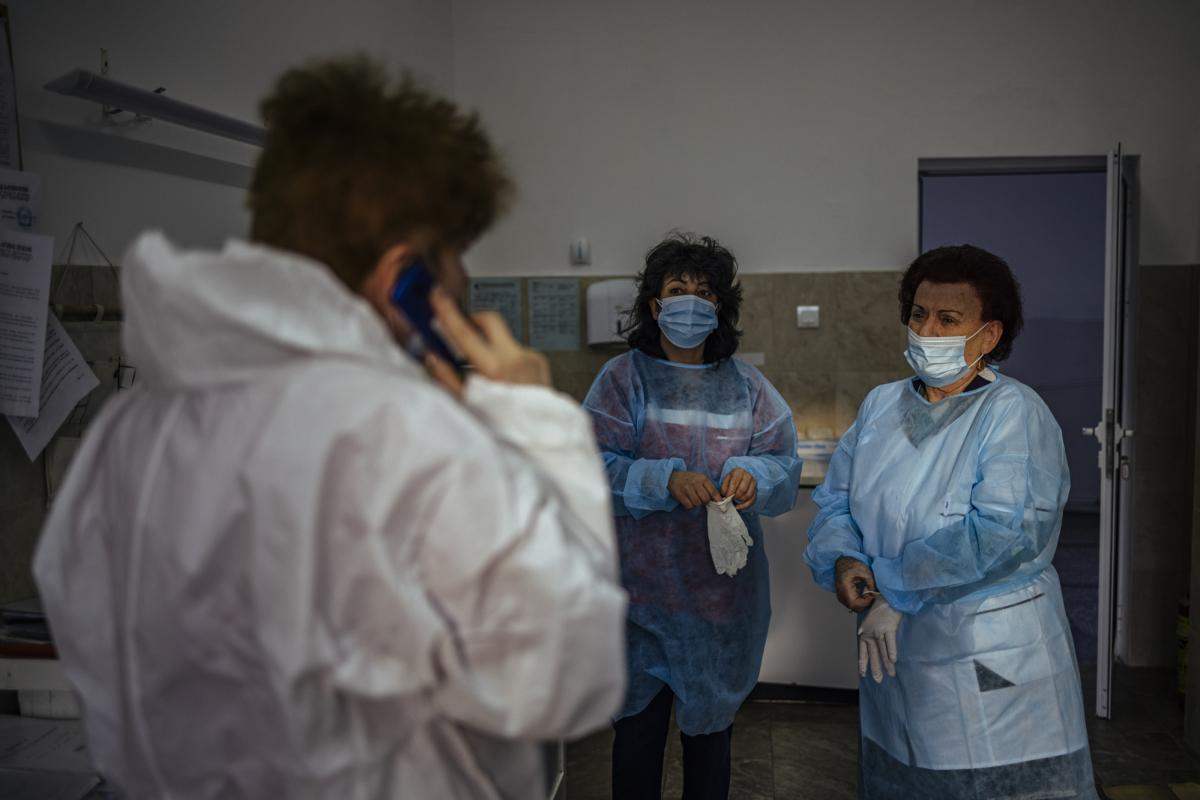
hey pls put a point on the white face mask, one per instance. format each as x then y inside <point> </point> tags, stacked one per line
<point>939,360</point>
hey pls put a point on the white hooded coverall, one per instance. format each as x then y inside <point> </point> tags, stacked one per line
<point>287,565</point>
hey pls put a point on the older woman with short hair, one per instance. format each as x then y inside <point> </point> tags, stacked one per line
<point>938,522</point>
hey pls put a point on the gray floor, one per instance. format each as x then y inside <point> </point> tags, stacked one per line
<point>779,750</point>
<point>792,750</point>
<point>1143,742</point>
<point>795,750</point>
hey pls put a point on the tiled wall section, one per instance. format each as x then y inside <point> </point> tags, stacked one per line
<point>22,510</point>
<point>1192,631</point>
<point>1165,357</point>
<point>23,483</point>
<point>825,372</point>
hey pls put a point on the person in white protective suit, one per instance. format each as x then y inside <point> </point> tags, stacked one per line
<point>290,563</point>
<point>938,520</point>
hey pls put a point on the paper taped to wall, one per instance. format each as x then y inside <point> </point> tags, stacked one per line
<point>502,295</point>
<point>554,313</point>
<point>44,745</point>
<point>24,306</point>
<point>20,198</point>
<point>66,380</point>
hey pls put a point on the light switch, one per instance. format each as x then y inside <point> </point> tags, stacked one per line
<point>808,316</point>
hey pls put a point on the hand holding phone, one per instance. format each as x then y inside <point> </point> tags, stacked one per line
<point>487,344</point>
<point>410,296</point>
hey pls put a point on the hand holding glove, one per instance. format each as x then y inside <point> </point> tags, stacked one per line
<point>877,640</point>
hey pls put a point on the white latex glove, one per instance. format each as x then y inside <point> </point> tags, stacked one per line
<point>728,540</point>
<point>877,640</point>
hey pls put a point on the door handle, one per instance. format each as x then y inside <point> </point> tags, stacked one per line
<point>1109,433</point>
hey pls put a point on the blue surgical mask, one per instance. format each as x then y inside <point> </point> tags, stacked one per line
<point>687,320</point>
<point>939,360</point>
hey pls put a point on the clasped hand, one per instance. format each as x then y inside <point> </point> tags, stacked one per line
<point>694,489</point>
<point>856,590</point>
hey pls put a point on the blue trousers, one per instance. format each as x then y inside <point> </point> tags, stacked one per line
<point>641,742</point>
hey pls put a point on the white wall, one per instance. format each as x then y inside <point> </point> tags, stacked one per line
<point>220,54</point>
<point>792,129</point>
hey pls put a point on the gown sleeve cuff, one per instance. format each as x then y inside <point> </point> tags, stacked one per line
<point>824,566</point>
<point>646,485</point>
<point>889,581</point>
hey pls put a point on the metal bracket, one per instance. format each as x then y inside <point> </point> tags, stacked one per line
<point>107,111</point>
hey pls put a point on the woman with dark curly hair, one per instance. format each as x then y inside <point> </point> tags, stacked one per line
<point>938,520</point>
<point>686,433</point>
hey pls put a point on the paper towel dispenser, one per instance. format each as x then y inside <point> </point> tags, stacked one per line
<point>608,306</point>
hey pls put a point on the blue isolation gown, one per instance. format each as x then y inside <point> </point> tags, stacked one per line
<point>956,506</point>
<point>689,628</point>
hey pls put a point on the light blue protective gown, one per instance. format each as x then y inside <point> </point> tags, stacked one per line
<point>698,632</point>
<point>956,506</point>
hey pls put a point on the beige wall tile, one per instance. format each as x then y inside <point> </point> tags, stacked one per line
<point>574,372</point>
<point>811,396</point>
<point>823,373</point>
<point>22,512</point>
<point>18,538</point>
<point>868,331</point>
<point>852,387</point>
<point>759,315</point>
<point>1151,618</point>
<point>1165,355</point>
<point>808,349</point>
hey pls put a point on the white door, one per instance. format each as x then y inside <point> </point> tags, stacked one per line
<point>1115,427</point>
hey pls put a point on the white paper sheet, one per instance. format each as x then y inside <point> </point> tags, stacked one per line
<point>20,199</point>
<point>554,313</point>
<point>66,380</point>
<point>24,306</point>
<point>44,744</point>
<point>502,295</point>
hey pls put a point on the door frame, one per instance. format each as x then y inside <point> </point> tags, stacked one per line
<point>1122,245</point>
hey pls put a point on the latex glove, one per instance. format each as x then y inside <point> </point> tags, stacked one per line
<point>877,640</point>
<point>728,540</point>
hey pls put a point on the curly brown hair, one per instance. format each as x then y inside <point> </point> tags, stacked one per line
<point>354,163</point>
<point>704,259</point>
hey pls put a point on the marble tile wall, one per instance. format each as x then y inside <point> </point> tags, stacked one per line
<point>22,511</point>
<point>823,373</point>
<point>1192,656</point>
<point>1165,357</point>
<point>22,482</point>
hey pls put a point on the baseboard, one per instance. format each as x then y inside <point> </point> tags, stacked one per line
<point>794,693</point>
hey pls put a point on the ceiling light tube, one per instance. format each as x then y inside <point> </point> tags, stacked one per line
<point>90,86</point>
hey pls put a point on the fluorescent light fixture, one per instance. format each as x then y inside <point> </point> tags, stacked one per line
<point>90,86</point>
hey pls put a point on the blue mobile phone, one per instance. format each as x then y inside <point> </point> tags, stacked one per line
<point>410,296</point>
